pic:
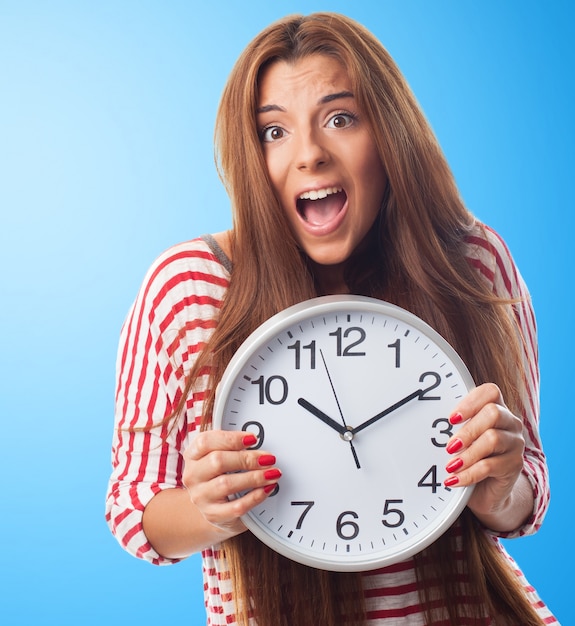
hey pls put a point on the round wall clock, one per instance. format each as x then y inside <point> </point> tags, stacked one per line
<point>352,395</point>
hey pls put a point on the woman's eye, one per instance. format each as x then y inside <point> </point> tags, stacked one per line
<point>272,133</point>
<point>341,120</point>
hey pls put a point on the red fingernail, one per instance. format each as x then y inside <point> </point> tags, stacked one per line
<point>266,459</point>
<point>456,418</point>
<point>272,474</point>
<point>269,488</point>
<point>454,446</point>
<point>451,481</point>
<point>249,440</point>
<point>454,465</point>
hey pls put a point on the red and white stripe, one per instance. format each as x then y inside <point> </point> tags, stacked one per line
<point>168,325</point>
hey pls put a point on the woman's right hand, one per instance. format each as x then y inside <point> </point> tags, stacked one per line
<point>220,463</point>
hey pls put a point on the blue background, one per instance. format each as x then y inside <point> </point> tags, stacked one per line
<point>106,122</point>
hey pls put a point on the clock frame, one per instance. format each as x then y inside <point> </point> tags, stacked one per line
<point>352,395</point>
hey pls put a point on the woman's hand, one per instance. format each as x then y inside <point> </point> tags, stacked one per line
<point>488,451</point>
<point>220,463</point>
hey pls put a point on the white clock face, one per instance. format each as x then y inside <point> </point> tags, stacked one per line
<point>352,395</point>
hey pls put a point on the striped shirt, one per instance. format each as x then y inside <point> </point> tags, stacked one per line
<point>168,325</point>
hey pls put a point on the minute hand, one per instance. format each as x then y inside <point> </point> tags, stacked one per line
<point>387,411</point>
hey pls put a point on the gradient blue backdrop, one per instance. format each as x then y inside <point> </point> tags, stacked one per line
<point>106,119</point>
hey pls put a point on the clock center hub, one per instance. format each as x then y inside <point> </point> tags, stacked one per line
<point>347,435</point>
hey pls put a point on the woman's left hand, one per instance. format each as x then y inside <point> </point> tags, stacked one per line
<point>487,451</point>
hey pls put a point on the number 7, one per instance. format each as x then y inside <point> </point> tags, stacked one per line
<point>308,506</point>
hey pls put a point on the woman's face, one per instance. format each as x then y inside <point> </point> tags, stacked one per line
<point>321,158</point>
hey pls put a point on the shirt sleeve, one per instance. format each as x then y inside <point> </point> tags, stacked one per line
<point>169,323</point>
<point>494,261</point>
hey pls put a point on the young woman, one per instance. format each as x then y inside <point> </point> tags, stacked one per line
<point>337,186</point>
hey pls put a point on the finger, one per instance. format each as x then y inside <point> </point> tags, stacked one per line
<point>225,486</point>
<point>227,497</point>
<point>227,513</point>
<point>474,401</point>
<point>222,474</point>
<point>210,440</point>
<point>243,482</point>
<point>491,421</point>
<point>218,452</point>
<point>488,418</point>
<point>482,409</point>
<point>496,453</point>
<point>502,470</point>
<point>222,463</point>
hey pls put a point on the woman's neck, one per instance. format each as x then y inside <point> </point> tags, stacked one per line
<point>330,279</point>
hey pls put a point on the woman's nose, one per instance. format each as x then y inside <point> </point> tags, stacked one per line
<point>311,152</point>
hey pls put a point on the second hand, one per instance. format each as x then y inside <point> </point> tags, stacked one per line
<point>352,447</point>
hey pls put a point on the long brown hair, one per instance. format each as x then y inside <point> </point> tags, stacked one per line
<point>415,257</point>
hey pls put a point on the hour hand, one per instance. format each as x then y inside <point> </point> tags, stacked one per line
<point>326,419</point>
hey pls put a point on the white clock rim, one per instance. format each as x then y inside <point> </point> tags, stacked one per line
<point>268,330</point>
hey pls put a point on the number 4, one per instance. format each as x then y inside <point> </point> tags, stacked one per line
<point>433,483</point>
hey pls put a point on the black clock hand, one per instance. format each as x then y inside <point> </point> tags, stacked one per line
<point>387,411</point>
<point>347,436</point>
<point>308,406</point>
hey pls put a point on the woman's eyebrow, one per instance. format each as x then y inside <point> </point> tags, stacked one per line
<point>270,107</point>
<point>335,96</point>
<point>324,100</point>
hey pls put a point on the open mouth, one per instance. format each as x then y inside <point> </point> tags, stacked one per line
<point>321,206</point>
